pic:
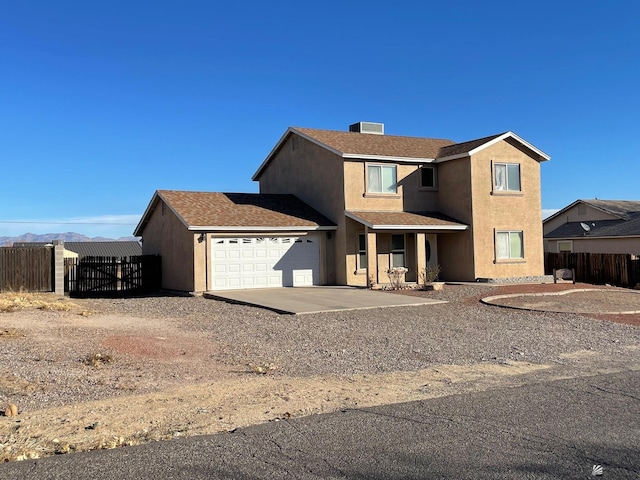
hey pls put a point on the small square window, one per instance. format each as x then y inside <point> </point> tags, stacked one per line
<point>428,177</point>
<point>565,246</point>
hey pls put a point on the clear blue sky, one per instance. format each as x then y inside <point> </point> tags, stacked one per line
<point>102,103</point>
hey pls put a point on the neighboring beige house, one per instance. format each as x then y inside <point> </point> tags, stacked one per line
<point>342,208</point>
<point>594,226</point>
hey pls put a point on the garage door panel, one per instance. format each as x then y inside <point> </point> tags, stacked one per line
<point>259,262</point>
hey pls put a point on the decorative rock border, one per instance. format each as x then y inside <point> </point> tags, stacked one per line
<point>490,301</point>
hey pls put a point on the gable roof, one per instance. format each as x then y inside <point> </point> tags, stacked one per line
<point>623,209</point>
<point>472,147</point>
<point>598,229</point>
<point>393,147</point>
<point>216,211</point>
<point>406,220</point>
<point>358,145</point>
<point>626,224</point>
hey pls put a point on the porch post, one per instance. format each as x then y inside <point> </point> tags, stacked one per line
<point>58,267</point>
<point>421,254</point>
<point>372,257</point>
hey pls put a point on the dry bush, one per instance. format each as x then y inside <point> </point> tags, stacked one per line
<point>10,333</point>
<point>14,301</point>
<point>98,359</point>
<point>262,368</point>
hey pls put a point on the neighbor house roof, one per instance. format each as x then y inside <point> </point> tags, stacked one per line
<point>95,249</point>
<point>104,249</point>
<point>393,148</point>
<point>208,211</point>
<point>626,224</point>
<point>406,220</point>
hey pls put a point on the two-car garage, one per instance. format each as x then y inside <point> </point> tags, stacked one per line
<point>265,261</point>
<point>230,241</point>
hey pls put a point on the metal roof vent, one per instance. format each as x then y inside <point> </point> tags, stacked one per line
<point>367,127</point>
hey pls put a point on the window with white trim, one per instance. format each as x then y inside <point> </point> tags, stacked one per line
<point>428,178</point>
<point>381,179</point>
<point>362,252</point>
<point>506,177</point>
<point>397,250</point>
<point>509,245</point>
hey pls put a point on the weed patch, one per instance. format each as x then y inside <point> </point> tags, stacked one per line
<point>98,359</point>
<point>15,301</point>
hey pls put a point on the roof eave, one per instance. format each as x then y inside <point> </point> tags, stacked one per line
<point>283,139</point>
<point>137,232</point>
<point>143,221</point>
<point>452,228</point>
<point>586,202</point>
<point>374,226</point>
<point>594,237</point>
<point>260,228</point>
<point>542,157</point>
<point>387,158</point>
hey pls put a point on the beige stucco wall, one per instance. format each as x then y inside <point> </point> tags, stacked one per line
<point>409,197</point>
<point>599,245</point>
<point>332,185</point>
<point>167,236</point>
<point>494,211</point>
<point>573,215</point>
<point>455,249</point>
<point>315,176</point>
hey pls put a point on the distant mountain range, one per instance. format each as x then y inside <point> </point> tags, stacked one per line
<point>67,237</point>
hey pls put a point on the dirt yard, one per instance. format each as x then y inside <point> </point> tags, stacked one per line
<point>93,374</point>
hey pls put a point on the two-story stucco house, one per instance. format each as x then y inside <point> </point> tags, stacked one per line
<point>343,207</point>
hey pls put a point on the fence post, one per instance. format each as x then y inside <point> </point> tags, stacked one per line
<point>58,267</point>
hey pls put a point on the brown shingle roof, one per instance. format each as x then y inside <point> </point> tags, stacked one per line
<point>409,219</point>
<point>355,143</point>
<point>465,147</point>
<point>215,209</point>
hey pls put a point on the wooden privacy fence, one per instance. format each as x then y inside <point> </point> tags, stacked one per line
<point>622,270</point>
<point>26,269</point>
<point>112,276</point>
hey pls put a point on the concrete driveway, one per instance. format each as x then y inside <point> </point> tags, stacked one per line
<point>299,300</point>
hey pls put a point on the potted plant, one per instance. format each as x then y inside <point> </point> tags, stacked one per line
<point>396,277</point>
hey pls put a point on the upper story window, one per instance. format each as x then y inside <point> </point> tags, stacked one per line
<point>381,179</point>
<point>506,177</point>
<point>428,177</point>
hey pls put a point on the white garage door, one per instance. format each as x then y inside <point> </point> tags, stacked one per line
<point>261,262</point>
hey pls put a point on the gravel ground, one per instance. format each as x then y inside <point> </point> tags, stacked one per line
<point>208,339</point>
<point>186,365</point>
<point>462,332</point>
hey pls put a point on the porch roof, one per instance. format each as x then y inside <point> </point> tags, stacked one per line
<point>422,221</point>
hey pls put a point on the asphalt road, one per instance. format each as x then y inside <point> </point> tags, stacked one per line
<point>548,430</point>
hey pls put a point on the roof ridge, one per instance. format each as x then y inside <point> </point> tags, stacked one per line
<point>371,134</point>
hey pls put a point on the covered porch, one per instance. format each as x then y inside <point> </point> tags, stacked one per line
<point>407,241</point>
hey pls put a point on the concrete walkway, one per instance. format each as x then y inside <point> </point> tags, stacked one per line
<point>301,300</point>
